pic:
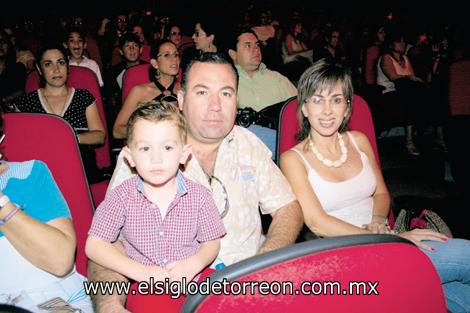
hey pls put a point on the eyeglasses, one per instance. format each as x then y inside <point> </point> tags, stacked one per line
<point>334,101</point>
<point>168,55</point>
<point>175,33</point>
<point>222,188</point>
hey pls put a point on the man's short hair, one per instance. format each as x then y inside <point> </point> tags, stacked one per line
<point>235,35</point>
<point>128,37</point>
<point>209,57</point>
<point>158,111</point>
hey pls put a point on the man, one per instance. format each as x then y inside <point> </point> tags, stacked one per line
<point>232,163</point>
<point>259,87</point>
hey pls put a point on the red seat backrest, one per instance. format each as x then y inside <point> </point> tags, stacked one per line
<point>361,120</point>
<point>82,78</point>
<point>392,275</point>
<point>145,55</point>
<point>49,138</point>
<point>459,91</point>
<point>133,76</point>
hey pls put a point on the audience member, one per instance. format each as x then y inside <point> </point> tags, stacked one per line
<point>37,239</point>
<point>12,74</point>
<point>75,44</point>
<point>404,92</point>
<point>170,225</point>
<point>339,184</point>
<point>76,106</point>
<point>232,163</point>
<point>163,86</point>
<point>130,49</point>
<point>258,87</point>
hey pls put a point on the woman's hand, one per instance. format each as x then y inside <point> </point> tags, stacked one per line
<point>377,228</point>
<point>418,235</point>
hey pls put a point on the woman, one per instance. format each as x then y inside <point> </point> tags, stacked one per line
<point>204,36</point>
<point>174,35</point>
<point>339,184</point>
<point>37,238</point>
<point>163,86</point>
<point>76,106</point>
<point>403,91</point>
<point>295,45</point>
<point>372,54</point>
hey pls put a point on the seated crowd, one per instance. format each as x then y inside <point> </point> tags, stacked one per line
<point>189,180</point>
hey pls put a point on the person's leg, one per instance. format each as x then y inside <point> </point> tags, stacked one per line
<point>410,145</point>
<point>452,262</point>
<point>267,135</point>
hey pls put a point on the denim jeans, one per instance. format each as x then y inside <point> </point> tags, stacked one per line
<point>452,262</point>
<point>267,135</point>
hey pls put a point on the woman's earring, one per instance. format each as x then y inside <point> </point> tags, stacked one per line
<point>157,73</point>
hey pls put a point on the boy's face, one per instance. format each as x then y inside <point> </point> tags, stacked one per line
<point>131,51</point>
<point>75,44</point>
<point>156,151</point>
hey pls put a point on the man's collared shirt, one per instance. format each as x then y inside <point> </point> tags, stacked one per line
<point>265,88</point>
<point>148,238</point>
<point>253,182</point>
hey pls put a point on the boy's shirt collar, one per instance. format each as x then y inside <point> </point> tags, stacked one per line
<point>181,188</point>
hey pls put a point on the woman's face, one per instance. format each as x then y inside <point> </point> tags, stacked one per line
<point>298,28</point>
<point>168,60</point>
<point>399,45</point>
<point>381,34</point>
<point>175,35</point>
<point>326,110</point>
<point>54,68</point>
<point>200,38</point>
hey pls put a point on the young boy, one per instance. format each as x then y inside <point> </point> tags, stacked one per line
<point>75,43</point>
<point>170,225</point>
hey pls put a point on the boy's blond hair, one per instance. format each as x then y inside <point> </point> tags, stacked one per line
<point>156,111</point>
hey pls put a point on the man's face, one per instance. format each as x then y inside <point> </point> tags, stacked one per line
<point>121,22</point>
<point>209,102</point>
<point>334,39</point>
<point>248,54</point>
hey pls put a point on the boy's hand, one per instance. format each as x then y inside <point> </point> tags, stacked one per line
<point>184,268</point>
<point>146,271</point>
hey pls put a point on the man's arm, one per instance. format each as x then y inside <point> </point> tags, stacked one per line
<point>107,303</point>
<point>285,227</point>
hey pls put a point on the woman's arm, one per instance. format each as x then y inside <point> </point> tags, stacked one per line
<point>381,195</point>
<point>49,246</point>
<point>96,133</point>
<point>289,39</point>
<point>317,220</point>
<point>129,106</point>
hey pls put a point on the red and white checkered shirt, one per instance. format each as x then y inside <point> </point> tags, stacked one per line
<point>192,218</point>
